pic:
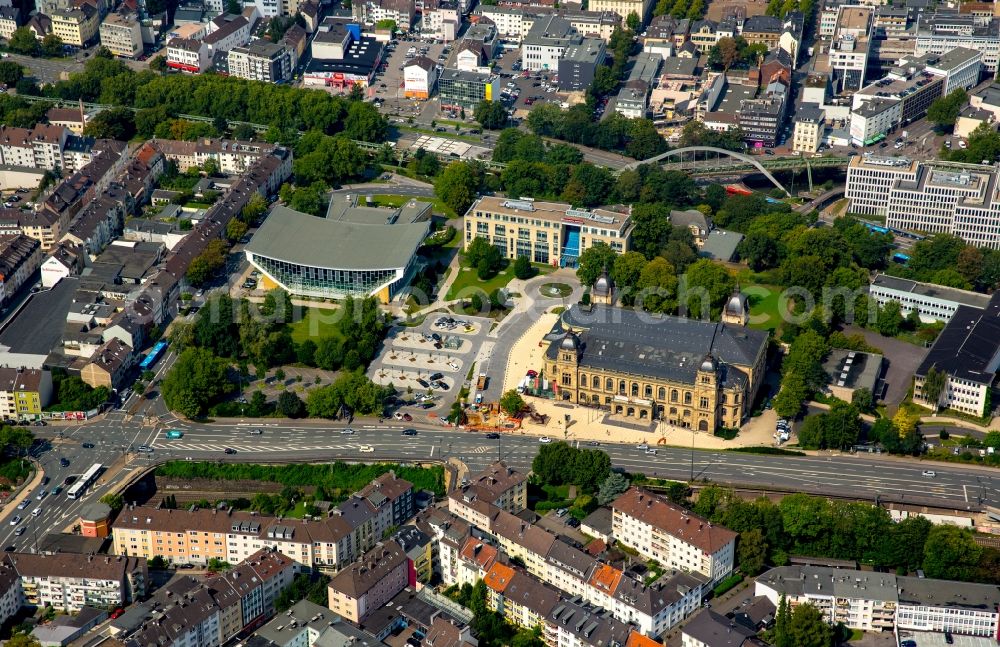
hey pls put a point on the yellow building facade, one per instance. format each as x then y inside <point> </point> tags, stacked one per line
<point>688,373</point>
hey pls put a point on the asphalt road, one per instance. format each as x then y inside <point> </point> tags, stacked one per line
<point>118,435</point>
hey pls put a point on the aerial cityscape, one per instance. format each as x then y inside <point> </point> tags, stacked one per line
<point>526,323</point>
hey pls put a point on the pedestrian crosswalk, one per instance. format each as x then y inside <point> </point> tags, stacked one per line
<point>482,449</point>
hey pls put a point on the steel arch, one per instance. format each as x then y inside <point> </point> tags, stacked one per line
<point>710,149</point>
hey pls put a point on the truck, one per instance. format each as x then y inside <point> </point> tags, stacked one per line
<point>481,383</point>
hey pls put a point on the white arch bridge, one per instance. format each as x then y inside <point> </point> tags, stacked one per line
<point>719,161</point>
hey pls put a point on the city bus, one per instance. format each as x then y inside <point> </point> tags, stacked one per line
<point>85,481</point>
<point>154,354</point>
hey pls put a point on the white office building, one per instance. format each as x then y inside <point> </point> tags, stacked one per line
<point>932,302</point>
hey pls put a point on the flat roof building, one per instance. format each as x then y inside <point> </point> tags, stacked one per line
<point>546,232</point>
<point>353,251</point>
<point>932,302</point>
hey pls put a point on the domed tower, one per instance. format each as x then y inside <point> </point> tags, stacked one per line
<point>569,348</point>
<point>603,290</point>
<point>706,395</point>
<point>736,311</point>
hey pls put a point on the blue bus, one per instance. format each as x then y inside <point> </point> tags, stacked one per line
<point>153,356</point>
<point>879,229</point>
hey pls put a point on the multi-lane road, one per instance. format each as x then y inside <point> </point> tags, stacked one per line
<point>117,436</point>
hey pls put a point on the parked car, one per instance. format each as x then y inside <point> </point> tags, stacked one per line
<point>347,431</point>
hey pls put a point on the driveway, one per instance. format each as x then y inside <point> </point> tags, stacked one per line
<point>903,359</point>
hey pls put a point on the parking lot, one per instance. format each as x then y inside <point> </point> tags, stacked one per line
<point>388,82</point>
<point>526,91</point>
<point>428,364</point>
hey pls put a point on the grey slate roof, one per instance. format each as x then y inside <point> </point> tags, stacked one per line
<point>666,347</point>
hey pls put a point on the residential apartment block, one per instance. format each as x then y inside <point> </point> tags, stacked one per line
<point>653,608</point>
<point>122,34</point>
<point>207,613</point>
<point>196,536</point>
<point>497,485</point>
<point>69,582</point>
<point>872,601</point>
<point>623,8</point>
<point>24,392</point>
<point>545,232</point>
<point>76,26</point>
<point>232,157</point>
<point>20,257</point>
<point>672,535</point>
<point>261,60</point>
<point>369,583</point>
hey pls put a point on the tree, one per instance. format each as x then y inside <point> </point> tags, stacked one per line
<point>752,551</point>
<point>945,110</point>
<point>254,209</point>
<point>595,260</point>
<point>633,21</point>
<point>197,379</point>
<point>613,486</point>
<point>236,229</point>
<point>658,286</point>
<point>627,269</point>
<point>523,269</point>
<point>704,288</point>
<point>512,403</point>
<point>290,405</point>
<point>52,45</point>
<point>934,383</point>
<point>863,399</point>
<point>950,553</point>
<point>491,115</point>
<point>458,185</point>
<point>159,64</point>
<point>780,636</point>
<point>793,393</point>
<point>114,501</point>
<point>23,41</point>
<point>113,123</point>
<point>10,73</point>
<point>759,250</point>
<point>725,52</point>
<point>905,421</point>
<point>808,628</point>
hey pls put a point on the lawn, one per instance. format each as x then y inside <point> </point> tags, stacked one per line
<point>389,200</point>
<point>765,306</point>
<point>467,278</point>
<point>315,324</point>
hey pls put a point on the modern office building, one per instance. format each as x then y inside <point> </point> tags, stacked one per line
<point>871,601</point>
<point>968,352</point>
<point>691,373</point>
<point>553,43</point>
<point>353,251</point>
<point>546,232</point>
<point>932,302</point>
<point>943,31</point>
<point>851,46</point>
<point>464,90</point>
<point>871,177</point>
